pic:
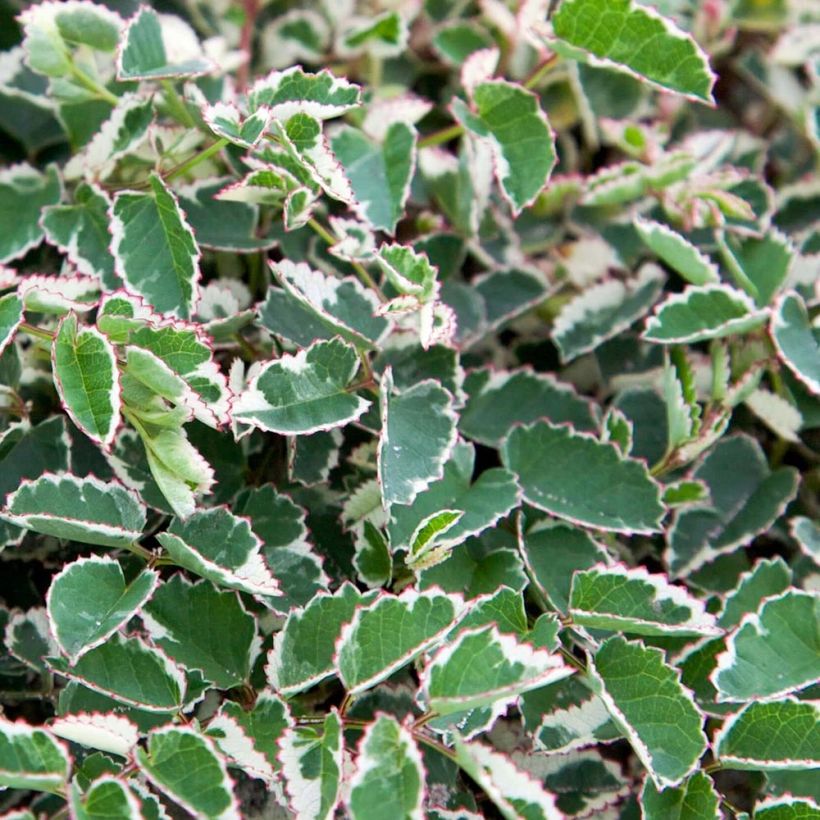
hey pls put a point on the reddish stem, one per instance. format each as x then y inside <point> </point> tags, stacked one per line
<point>243,73</point>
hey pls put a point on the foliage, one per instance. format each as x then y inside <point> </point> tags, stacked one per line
<point>410,408</point>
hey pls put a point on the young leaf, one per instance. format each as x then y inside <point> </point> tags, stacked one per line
<point>389,776</point>
<point>221,547</point>
<point>304,393</point>
<point>143,54</point>
<point>774,651</point>
<point>415,621</point>
<point>226,121</point>
<point>633,38</point>
<point>87,380</point>
<point>185,765</point>
<point>796,340</point>
<point>380,174</point>
<point>129,671</point>
<point>294,91</point>
<point>31,758</point>
<point>696,799</point>
<point>105,797</point>
<point>202,628</point>
<point>303,650</point>
<point>485,668</point>
<point>759,265</point>
<point>24,192</point>
<point>11,315</point>
<point>89,599</point>
<point>418,435</point>
<point>154,248</point>
<point>782,734</point>
<point>678,253</point>
<point>613,493</point>
<point>656,713</point>
<point>700,313</point>
<point>311,763</point>
<point>511,121</point>
<point>631,600</point>
<point>82,509</point>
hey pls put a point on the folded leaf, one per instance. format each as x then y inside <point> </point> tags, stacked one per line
<point>89,599</point>
<point>81,509</point>
<point>677,252</point>
<point>31,758</point>
<point>225,120</point>
<point>613,493</point>
<point>656,713</point>
<point>796,340</point>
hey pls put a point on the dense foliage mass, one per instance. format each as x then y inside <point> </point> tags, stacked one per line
<point>410,408</point>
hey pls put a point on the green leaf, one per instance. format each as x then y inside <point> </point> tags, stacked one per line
<point>304,393</point>
<point>154,248</point>
<point>58,294</point>
<point>515,793</point>
<point>80,231</point>
<point>787,808</point>
<point>28,638</point>
<point>796,340</point>
<point>389,777</point>
<point>31,758</point>
<point>225,120</point>
<point>631,600</point>
<point>415,622</point>
<point>807,534</point>
<point>509,118</point>
<point>613,493</point>
<point>696,799</point>
<point>311,458</point>
<point>106,797</point>
<point>746,498</point>
<point>766,579</point>
<point>482,667</point>
<point>143,54</point>
<point>130,671</point>
<point>382,36</point>
<point>303,650</point>
<point>343,306</point>
<point>782,734</point>
<point>637,40</point>
<point>774,651</point>
<point>759,265</point>
<point>87,380</point>
<point>656,713</point>
<point>312,766</point>
<point>81,509</point>
<point>221,547</point>
<point>11,315</point>
<point>682,256</point>
<point>186,767</point>
<point>499,400</point>
<point>202,628</point>
<point>700,313</point>
<point>409,272</point>
<point>605,310</point>
<point>418,435</point>
<point>295,91</point>
<point>89,599</point>
<point>379,174</point>
<point>373,560</point>
<point>24,192</point>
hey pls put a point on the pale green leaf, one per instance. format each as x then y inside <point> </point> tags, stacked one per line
<point>81,509</point>
<point>303,650</point>
<point>759,265</point>
<point>796,340</point>
<point>389,777</point>
<point>677,252</point>
<point>143,54</point>
<point>311,761</point>
<point>656,713</point>
<point>632,600</point>
<point>130,671</point>
<point>225,120</point>
<point>295,91</point>
<point>373,560</point>
<point>11,314</point>
<point>807,534</point>
<point>380,174</point>
<point>107,797</point>
<point>787,808</point>
<point>87,380</point>
<point>415,622</point>
<point>511,121</point>
<point>154,248</point>
<point>201,627</point>
<point>777,413</point>
<point>696,799</point>
<point>767,578</point>
<point>685,491</point>
<point>31,758</point>
<point>107,732</point>
<point>613,493</point>
<point>429,544</point>
<point>700,313</point>
<point>304,393</point>
<point>409,272</point>
<point>418,435</point>
<point>186,767</point>
<point>221,547</point>
<point>24,192</point>
<point>89,599</point>
<point>384,35</point>
<point>631,37</point>
<point>774,651</point>
<point>782,734</point>
<point>58,294</point>
<point>28,637</point>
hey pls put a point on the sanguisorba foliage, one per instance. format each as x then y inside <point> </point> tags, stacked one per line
<point>410,409</point>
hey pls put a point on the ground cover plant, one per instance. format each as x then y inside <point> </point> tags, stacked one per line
<point>410,409</point>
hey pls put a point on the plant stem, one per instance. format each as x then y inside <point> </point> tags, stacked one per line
<point>322,231</point>
<point>245,42</point>
<point>92,85</point>
<point>176,105</point>
<point>205,153</point>
<point>540,72</point>
<point>37,332</point>
<point>439,137</point>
